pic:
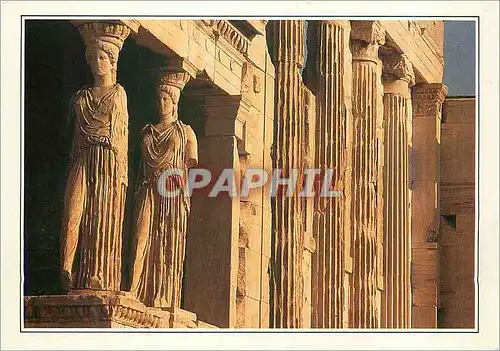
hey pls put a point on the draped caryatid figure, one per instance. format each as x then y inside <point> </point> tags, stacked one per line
<point>97,180</point>
<point>162,203</point>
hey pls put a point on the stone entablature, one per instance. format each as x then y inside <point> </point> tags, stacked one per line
<point>408,38</point>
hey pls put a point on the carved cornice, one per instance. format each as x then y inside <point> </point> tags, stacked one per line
<point>398,66</point>
<point>366,38</point>
<point>231,34</point>
<point>428,99</point>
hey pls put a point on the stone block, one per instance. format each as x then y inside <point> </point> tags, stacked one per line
<point>266,231</point>
<point>424,209</point>
<point>265,278</point>
<point>257,51</point>
<point>457,139</point>
<point>424,156</point>
<point>459,110</point>
<point>249,273</point>
<point>264,315</point>
<point>180,318</point>
<point>248,315</point>
<point>168,33</point>
<point>250,234</point>
<point>270,94</point>
<point>424,317</point>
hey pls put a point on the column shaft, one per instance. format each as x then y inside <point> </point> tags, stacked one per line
<point>332,80</point>
<point>287,55</point>
<point>398,75</point>
<point>367,187</point>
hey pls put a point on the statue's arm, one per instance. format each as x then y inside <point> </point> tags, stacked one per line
<point>191,154</point>
<point>73,126</point>
<point>119,134</point>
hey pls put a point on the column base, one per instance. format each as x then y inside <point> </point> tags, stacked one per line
<point>102,309</point>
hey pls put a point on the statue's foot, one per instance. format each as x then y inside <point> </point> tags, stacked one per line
<point>66,281</point>
<point>130,294</point>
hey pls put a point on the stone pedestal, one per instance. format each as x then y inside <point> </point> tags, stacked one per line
<point>428,99</point>
<point>396,297</point>
<point>367,181</point>
<point>102,309</point>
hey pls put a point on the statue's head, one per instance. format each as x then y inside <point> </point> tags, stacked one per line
<point>102,57</point>
<point>169,92</point>
<point>103,42</point>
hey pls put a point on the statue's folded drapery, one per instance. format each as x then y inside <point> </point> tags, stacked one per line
<point>158,264</point>
<point>96,189</point>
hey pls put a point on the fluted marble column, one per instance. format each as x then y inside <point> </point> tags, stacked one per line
<point>398,77</point>
<point>287,54</point>
<point>367,181</point>
<point>331,77</point>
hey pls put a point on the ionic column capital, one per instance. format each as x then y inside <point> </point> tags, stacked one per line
<point>397,73</point>
<point>370,32</point>
<point>398,66</point>
<point>366,38</point>
<point>428,99</point>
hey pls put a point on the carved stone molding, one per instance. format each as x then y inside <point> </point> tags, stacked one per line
<point>94,310</point>
<point>223,28</point>
<point>428,99</point>
<point>99,309</point>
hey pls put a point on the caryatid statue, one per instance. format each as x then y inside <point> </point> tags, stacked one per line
<point>160,220</point>
<point>97,181</point>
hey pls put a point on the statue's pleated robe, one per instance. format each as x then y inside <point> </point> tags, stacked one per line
<point>162,218</point>
<point>99,162</point>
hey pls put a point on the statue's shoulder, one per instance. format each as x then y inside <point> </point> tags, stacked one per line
<point>146,129</point>
<point>120,90</point>
<point>80,92</point>
<point>187,128</point>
